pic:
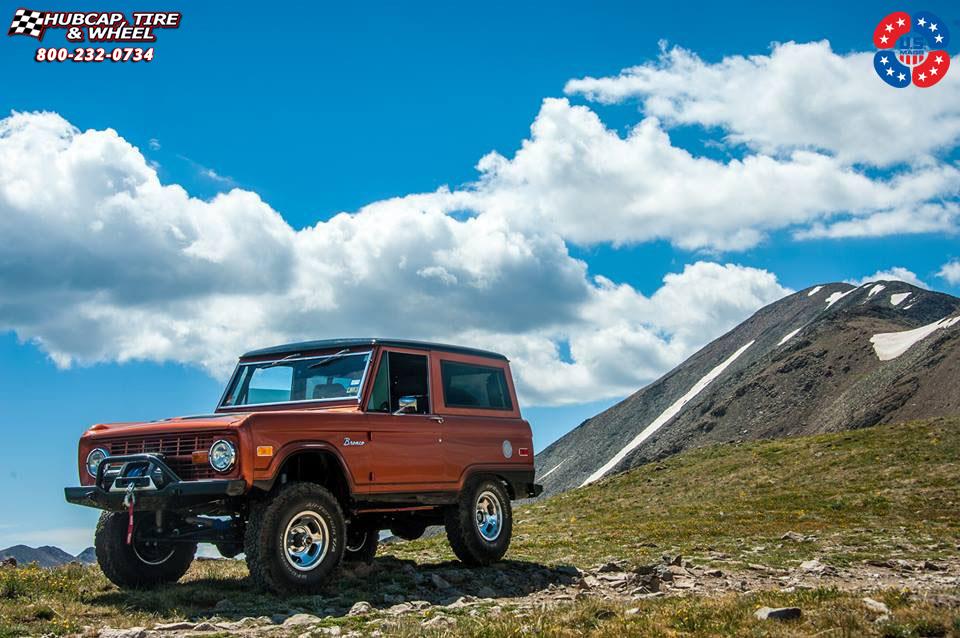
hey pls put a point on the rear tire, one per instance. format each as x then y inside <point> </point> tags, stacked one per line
<point>361,545</point>
<point>480,525</point>
<point>141,565</point>
<point>294,542</point>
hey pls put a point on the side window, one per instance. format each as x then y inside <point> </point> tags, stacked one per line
<point>400,375</point>
<point>472,386</point>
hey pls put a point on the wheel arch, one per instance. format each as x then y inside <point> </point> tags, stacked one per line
<point>312,462</point>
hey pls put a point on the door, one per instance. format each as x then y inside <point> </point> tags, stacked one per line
<point>405,447</point>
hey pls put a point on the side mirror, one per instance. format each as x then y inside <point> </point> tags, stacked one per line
<point>408,405</point>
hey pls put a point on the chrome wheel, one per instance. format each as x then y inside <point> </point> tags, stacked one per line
<point>306,541</point>
<point>152,552</point>
<point>489,516</point>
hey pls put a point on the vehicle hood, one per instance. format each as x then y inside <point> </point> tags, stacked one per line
<point>176,424</point>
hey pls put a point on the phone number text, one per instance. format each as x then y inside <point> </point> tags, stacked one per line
<point>90,54</point>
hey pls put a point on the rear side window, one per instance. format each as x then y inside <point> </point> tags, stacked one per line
<point>472,386</point>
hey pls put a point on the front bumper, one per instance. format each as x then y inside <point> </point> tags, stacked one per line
<point>144,472</point>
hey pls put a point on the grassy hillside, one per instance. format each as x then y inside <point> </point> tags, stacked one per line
<point>878,494</point>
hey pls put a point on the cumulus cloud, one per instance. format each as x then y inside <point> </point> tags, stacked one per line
<point>574,171</point>
<point>951,272</point>
<point>102,262</point>
<point>897,273</point>
<point>800,96</point>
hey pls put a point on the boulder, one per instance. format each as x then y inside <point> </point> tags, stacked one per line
<point>778,613</point>
<point>876,606</point>
<point>360,608</point>
<point>299,620</point>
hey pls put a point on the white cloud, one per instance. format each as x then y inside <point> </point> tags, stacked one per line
<point>897,273</point>
<point>154,144</point>
<point>800,96</point>
<point>101,262</point>
<point>951,272</point>
<point>582,179</point>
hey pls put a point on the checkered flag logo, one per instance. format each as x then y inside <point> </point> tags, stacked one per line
<point>27,22</point>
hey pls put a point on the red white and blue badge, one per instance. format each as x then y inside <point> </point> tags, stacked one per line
<point>912,49</point>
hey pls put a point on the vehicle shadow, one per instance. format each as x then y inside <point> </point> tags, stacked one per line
<point>222,589</point>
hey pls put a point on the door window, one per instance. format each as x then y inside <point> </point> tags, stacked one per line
<point>400,375</point>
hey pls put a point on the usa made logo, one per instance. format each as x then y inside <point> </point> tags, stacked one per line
<point>912,49</point>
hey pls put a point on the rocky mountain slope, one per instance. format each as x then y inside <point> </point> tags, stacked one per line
<point>46,556</point>
<point>828,358</point>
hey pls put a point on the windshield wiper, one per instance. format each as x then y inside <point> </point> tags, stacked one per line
<point>279,361</point>
<point>330,359</point>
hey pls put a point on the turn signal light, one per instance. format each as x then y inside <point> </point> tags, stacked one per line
<point>200,457</point>
<point>264,450</point>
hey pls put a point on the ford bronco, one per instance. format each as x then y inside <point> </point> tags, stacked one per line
<point>314,449</point>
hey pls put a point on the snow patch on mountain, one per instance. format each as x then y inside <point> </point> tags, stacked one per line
<point>666,415</point>
<point>837,296</point>
<point>552,470</point>
<point>814,291</point>
<point>875,290</point>
<point>787,337</point>
<point>899,297</point>
<point>890,345</point>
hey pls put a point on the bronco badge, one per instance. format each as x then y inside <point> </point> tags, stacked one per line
<point>347,441</point>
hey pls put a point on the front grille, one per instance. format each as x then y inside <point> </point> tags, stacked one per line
<point>177,451</point>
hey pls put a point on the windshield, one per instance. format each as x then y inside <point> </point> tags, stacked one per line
<point>294,378</point>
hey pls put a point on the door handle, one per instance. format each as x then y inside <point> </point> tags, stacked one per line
<point>438,419</point>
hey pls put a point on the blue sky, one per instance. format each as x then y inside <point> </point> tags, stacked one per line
<point>348,106</point>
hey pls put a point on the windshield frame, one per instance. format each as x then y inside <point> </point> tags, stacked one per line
<point>247,407</point>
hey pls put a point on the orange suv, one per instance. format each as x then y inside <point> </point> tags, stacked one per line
<point>314,449</point>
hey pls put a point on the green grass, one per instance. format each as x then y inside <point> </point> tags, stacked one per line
<point>889,491</point>
<point>885,492</point>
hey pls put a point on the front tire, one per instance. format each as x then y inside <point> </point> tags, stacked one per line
<point>480,525</point>
<point>142,564</point>
<point>294,542</point>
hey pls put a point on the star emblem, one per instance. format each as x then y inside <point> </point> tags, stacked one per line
<point>922,77</point>
<point>933,27</point>
<point>889,28</point>
<point>939,59</point>
<point>901,77</point>
<point>933,71</point>
<point>900,22</point>
<point>939,38</point>
<point>890,71</point>
<point>883,60</point>
<point>922,22</point>
<point>884,39</point>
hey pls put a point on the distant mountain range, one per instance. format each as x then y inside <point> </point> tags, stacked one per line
<point>47,556</point>
<point>828,358</point>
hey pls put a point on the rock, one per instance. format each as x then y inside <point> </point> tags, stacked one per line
<point>682,582</point>
<point>876,606</point>
<point>9,561</point>
<point>174,626</point>
<point>360,608</point>
<point>299,620</point>
<point>205,626</point>
<point>632,611</point>
<point>795,537</point>
<point>780,613</point>
<point>463,601</point>
<point>133,632</point>
<point>419,604</point>
<point>612,566</point>
<point>932,567</point>
<point>816,567</point>
<point>330,631</point>
<point>401,608</point>
<point>439,622</point>
<point>439,582</point>
<point>486,592</point>
<point>714,573</point>
<point>672,559</point>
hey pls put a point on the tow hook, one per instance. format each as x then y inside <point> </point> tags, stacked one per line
<point>129,499</point>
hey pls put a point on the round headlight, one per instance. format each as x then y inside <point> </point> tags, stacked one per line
<point>94,459</point>
<point>222,455</point>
